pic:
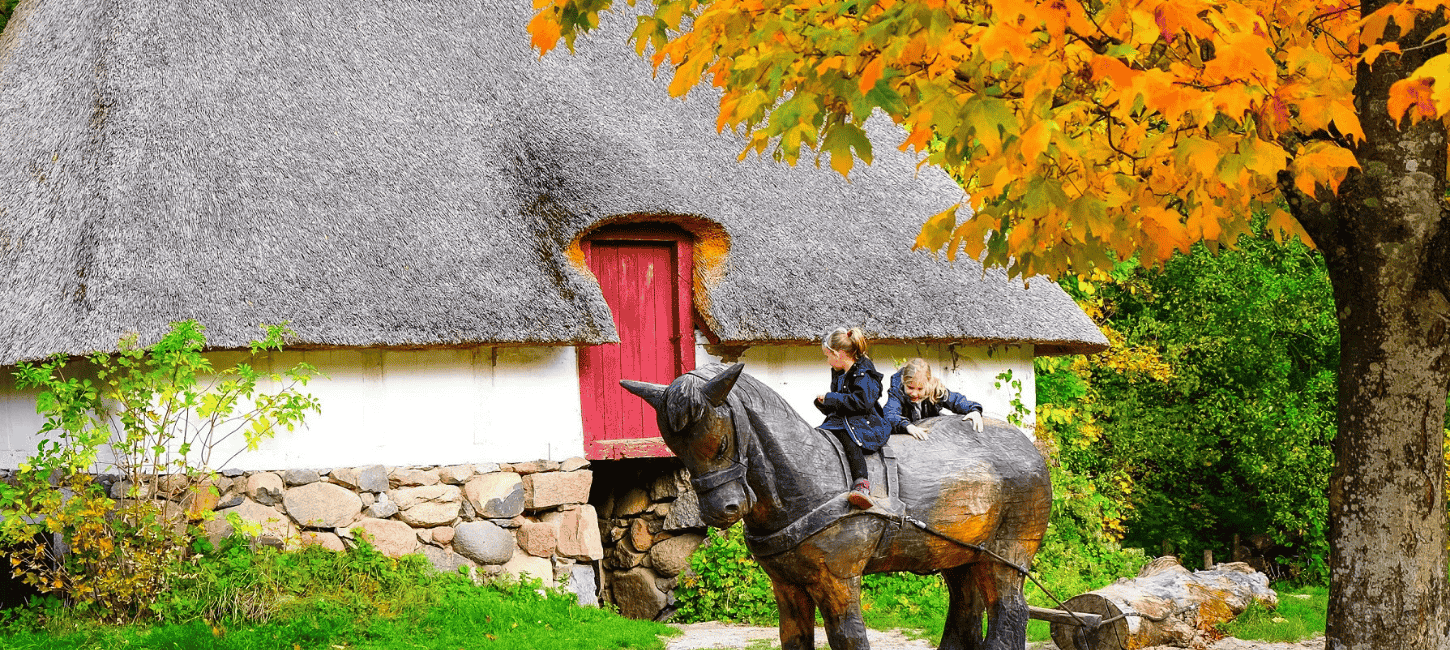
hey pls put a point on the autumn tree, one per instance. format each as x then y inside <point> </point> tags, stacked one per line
<point>1089,132</point>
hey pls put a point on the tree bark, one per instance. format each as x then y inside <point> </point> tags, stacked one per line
<point>1385,240</point>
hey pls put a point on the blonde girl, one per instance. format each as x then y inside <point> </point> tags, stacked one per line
<point>916,395</point>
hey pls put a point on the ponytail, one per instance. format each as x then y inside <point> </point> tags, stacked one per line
<point>852,341</point>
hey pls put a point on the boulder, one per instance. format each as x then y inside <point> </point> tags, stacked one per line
<point>372,478</point>
<point>499,495</point>
<point>637,595</point>
<point>672,555</point>
<point>201,499</point>
<point>551,489</point>
<point>345,476</point>
<point>428,506</point>
<point>326,540</point>
<point>483,542</point>
<point>268,526</point>
<point>684,513</point>
<point>578,532</point>
<point>455,474</point>
<point>322,505</point>
<point>534,467</point>
<point>390,537</point>
<point>444,560</point>
<point>382,507</point>
<point>584,584</point>
<point>539,539</point>
<point>265,488</point>
<point>523,564</point>
<point>633,503</point>
<point>443,534</point>
<point>670,485</point>
<point>300,476</point>
<point>572,464</point>
<point>411,477</point>
<point>639,535</point>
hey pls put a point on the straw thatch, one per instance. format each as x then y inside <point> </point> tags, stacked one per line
<point>410,174</point>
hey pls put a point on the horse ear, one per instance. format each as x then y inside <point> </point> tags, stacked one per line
<point>652,393</point>
<point>716,389</point>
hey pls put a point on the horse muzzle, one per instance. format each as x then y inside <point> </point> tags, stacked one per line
<point>724,496</point>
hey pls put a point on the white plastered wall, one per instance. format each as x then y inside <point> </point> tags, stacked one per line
<point>800,373</point>
<point>506,404</point>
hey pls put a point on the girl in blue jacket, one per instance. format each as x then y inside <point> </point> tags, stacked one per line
<point>852,412</point>
<point>916,395</point>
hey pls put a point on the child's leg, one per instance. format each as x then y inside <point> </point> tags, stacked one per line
<point>854,457</point>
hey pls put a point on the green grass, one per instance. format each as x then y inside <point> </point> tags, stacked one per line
<point>234,598</point>
<point>1301,614</point>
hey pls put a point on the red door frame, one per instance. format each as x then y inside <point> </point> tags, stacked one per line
<point>599,393</point>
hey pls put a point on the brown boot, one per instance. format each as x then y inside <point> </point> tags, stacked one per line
<point>860,494</point>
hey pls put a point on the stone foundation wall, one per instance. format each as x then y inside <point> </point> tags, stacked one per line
<point>522,518</point>
<point>650,524</point>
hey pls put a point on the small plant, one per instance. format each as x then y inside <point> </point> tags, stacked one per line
<point>155,416</point>
<point>1018,416</point>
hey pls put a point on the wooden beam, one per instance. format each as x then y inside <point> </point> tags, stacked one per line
<point>1065,618</point>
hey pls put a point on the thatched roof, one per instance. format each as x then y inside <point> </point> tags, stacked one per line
<point>411,174</point>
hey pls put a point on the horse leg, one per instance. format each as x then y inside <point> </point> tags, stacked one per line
<point>797,615</point>
<point>1007,614</point>
<point>840,603</point>
<point>963,626</point>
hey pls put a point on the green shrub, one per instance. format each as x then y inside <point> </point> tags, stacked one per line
<point>158,412</point>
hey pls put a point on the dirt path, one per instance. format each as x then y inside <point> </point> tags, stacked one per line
<point>709,636</point>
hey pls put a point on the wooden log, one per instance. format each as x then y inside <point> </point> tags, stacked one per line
<point>1080,619</point>
<point>1165,605</point>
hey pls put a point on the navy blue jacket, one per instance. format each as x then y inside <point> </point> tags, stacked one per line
<point>901,411</point>
<point>852,405</point>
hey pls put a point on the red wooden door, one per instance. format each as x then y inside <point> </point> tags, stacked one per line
<point>647,285</point>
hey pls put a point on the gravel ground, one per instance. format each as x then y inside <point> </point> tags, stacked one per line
<point>707,636</point>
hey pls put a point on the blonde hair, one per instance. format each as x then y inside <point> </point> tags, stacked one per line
<point>918,369</point>
<point>851,341</point>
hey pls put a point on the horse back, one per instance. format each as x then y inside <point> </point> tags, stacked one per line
<point>989,488</point>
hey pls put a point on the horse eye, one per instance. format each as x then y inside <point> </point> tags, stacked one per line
<point>724,440</point>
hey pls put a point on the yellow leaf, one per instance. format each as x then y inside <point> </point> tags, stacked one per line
<point>1036,139</point>
<point>937,230</point>
<point>1408,94</point>
<point>545,31</point>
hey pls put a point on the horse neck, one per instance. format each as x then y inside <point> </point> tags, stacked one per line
<point>793,467</point>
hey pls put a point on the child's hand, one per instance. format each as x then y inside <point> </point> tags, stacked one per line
<point>975,418</point>
<point>916,431</point>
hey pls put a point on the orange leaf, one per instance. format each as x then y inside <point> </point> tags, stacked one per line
<point>545,31</point>
<point>872,74</point>
<point>1412,95</point>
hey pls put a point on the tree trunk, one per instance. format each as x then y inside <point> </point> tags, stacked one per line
<point>1165,605</point>
<point>1385,240</point>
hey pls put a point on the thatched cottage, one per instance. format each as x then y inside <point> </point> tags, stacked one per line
<point>474,244</point>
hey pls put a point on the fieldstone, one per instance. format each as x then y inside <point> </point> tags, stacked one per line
<point>345,476</point>
<point>443,534</point>
<point>201,499</point>
<point>637,595</point>
<point>368,498</point>
<point>265,488</point>
<point>498,495</point>
<point>322,505</point>
<point>573,464</point>
<point>329,541</point>
<point>483,542</point>
<point>382,508</point>
<point>232,472</point>
<point>469,514</point>
<point>663,509</point>
<point>584,584</point>
<point>427,514</point>
<point>122,490</point>
<point>538,538</point>
<point>173,484</point>
<point>231,500</point>
<point>300,476</point>
<point>485,468</point>
<point>372,478</point>
<point>578,532</point>
<point>669,485</point>
<point>425,535</point>
<point>409,477</point>
<point>551,489</point>
<point>455,474</point>
<point>639,535</point>
<point>446,561</point>
<point>616,533</point>
<point>414,496</point>
<point>269,527</point>
<point>672,556</point>
<point>523,564</point>
<point>633,503</point>
<point>684,513</point>
<point>534,467</point>
<point>390,537</point>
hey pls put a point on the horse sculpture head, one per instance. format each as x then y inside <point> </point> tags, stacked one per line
<point>697,424</point>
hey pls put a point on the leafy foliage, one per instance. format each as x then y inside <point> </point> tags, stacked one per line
<point>1213,413</point>
<point>1085,131</point>
<point>155,415</point>
<point>7,7</point>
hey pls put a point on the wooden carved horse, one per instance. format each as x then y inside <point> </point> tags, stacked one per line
<point>753,457</point>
